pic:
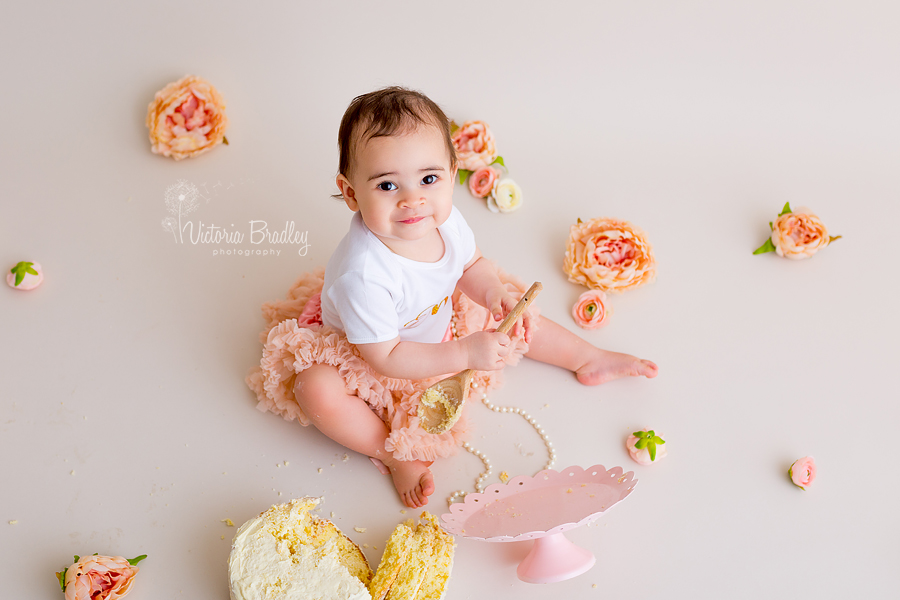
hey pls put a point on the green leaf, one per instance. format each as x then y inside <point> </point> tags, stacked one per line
<point>21,269</point>
<point>767,247</point>
<point>453,127</point>
<point>650,433</point>
<point>225,140</point>
<point>770,226</point>
<point>641,443</point>
<point>77,558</point>
<point>499,159</point>
<point>658,440</point>
<point>136,559</point>
<point>786,209</point>
<point>641,434</point>
<point>463,175</point>
<point>652,448</point>
<point>61,575</point>
<point>834,237</point>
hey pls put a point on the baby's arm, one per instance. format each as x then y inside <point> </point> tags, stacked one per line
<point>481,283</point>
<point>483,350</point>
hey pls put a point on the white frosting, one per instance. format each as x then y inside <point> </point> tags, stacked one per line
<point>262,568</point>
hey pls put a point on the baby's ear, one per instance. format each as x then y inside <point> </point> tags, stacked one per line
<point>347,192</point>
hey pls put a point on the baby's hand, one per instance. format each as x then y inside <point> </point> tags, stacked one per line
<point>500,302</point>
<point>486,350</point>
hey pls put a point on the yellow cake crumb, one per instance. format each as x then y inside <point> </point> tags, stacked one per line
<point>286,463</point>
<point>569,491</point>
<point>14,522</point>
<point>320,470</point>
<point>222,537</point>
<point>504,476</point>
<point>594,586</point>
<point>359,529</point>
<point>402,511</point>
<point>228,522</point>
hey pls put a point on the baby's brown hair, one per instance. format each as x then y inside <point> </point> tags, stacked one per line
<point>385,112</point>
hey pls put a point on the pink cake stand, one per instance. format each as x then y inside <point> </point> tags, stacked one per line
<point>541,508</point>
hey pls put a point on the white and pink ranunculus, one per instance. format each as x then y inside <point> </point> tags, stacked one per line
<point>590,310</point>
<point>803,472</point>
<point>481,182</point>
<point>505,197</point>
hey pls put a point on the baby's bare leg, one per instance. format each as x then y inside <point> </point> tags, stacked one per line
<point>554,344</point>
<point>348,420</point>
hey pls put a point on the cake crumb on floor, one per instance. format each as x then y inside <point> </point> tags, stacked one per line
<point>14,522</point>
<point>504,476</point>
<point>228,522</point>
<point>359,529</point>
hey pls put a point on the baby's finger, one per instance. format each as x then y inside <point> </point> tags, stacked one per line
<point>497,310</point>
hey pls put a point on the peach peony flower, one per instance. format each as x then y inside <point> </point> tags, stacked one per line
<point>609,255</point>
<point>25,276</point>
<point>99,577</point>
<point>590,310</point>
<point>481,182</point>
<point>474,144</point>
<point>796,234</point>
<point>186,118</point>
<point>646,447</point>
<point>803,472</point>
<point>505,197</point>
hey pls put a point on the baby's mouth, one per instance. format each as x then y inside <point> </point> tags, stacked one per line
<point>412,220</point>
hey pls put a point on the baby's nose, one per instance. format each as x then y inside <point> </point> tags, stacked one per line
<point>412,199</point>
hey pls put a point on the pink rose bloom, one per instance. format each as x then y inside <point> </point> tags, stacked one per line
<point>799,234</point>
<point>481,182</point>
<point>590,310</point>
<point>30,275</point>
<point>803,472</point>
<point>186,118</point>
<point>475,146</point>
<point>642,455</point>
<point>99,578</point>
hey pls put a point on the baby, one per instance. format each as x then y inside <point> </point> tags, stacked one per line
<point>402,284</point>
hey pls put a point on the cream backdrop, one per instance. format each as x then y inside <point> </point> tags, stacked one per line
<point>125,424</point>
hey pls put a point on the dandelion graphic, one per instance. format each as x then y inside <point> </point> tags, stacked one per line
<point>181,200</point>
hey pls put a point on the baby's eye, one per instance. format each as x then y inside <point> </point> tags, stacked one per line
<point>386,186</point>
<point>429,179</point>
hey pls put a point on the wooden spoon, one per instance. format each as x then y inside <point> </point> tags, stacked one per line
<point>441,404</point>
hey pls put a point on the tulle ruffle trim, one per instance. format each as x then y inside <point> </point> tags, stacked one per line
<point>295,339</point>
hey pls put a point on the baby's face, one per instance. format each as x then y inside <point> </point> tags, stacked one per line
<point>403,186</point>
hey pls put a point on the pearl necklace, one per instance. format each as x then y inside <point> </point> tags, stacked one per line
<point>479,481</point>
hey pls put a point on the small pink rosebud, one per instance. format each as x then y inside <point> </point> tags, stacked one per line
<point>803,472</point>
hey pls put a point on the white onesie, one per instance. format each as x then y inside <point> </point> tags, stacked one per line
<point>374,295</point>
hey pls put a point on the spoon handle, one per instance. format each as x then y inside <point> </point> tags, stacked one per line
<point>510,319</point>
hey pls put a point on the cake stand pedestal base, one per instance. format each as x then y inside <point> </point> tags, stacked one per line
<point>554,558</point>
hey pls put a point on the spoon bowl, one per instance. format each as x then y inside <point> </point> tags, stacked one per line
<point>441,404</point>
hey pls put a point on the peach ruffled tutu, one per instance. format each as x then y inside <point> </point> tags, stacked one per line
<point>295,338</point>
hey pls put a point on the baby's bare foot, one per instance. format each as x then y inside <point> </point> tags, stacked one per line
<point>605,366</point>
<point>413,480</point>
